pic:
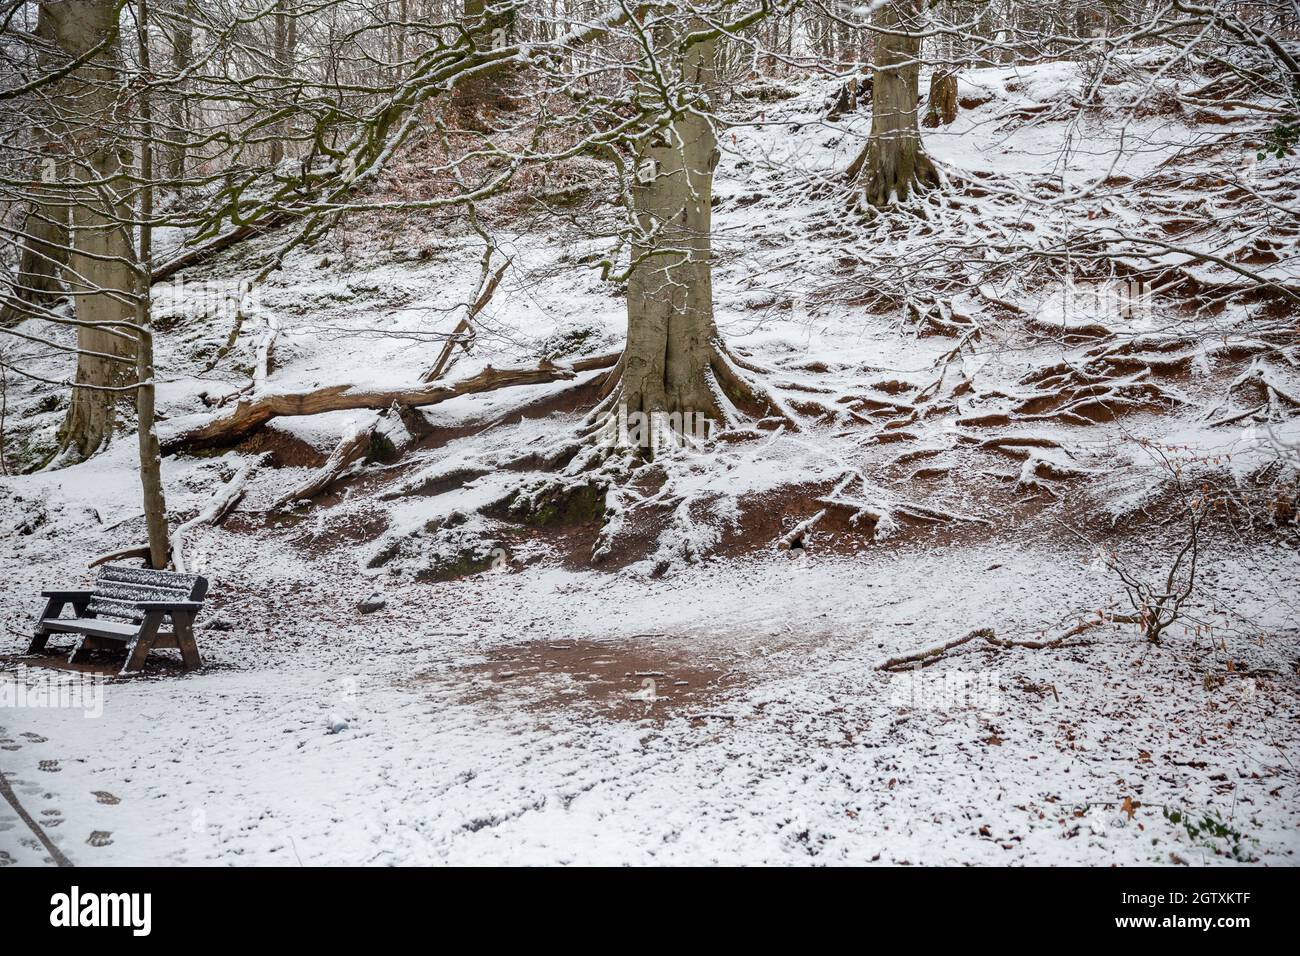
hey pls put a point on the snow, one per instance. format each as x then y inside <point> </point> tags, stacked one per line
<point>427,732</point>
<point>810,761</point>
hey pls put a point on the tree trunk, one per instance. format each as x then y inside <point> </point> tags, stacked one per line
<point>45,231</point>
<point>942,102</point>
<point>671,338</point>
<point>180,118</point>
<point>155,505</point>
<point>44,254</point>
<point>475,92</point>
<point>894,164</point>
<point>100,275</point>
<point>285,42</point>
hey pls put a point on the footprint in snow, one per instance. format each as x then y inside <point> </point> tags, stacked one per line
<point>51,817</point>
<point>5,858</point>
<point>35,738</point>
<point>10,745</point>
<point>99,838</point>
<point>49,766</point>
<point>103,796</point>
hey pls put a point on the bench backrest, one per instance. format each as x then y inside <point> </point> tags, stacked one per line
<point>117,586</point>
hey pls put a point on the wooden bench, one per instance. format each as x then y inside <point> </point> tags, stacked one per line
<point>127,606</point>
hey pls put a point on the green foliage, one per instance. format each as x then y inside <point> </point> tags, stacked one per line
<point>1212,832</point>
<point>1281,140</point>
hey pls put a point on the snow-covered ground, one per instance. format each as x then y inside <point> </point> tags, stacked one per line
<point>732,709</point>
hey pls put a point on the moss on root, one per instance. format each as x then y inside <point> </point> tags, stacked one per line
<point>461,565</point>
<point>554,504</point>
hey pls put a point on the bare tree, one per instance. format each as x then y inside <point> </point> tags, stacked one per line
<point>894,164</point>
<point>99,271</point>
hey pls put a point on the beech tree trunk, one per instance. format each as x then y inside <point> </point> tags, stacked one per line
<point>180,120</point>
<point>671,337</point>
<point>100,275</point>
<point>474,92</point>
<point>894,165</point>
<point>43,255</point>
<point>941,105</point>
<point>286,42</point>
<point>44,250</point>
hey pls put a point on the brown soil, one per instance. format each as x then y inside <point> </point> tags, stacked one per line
<point>287,450</point>
<point>107,664</point>
<point>601,678</point>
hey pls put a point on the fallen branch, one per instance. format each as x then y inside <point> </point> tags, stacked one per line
<point>11,798</point>
<point>797,536</point>
<point>206,250</point>
<point>251,413</point>
<point>138,551</point>
<point>354,444</point>
<point>265,352</point>
<point>463,334</point>
<point>214,512</point>
<point>932,654</point>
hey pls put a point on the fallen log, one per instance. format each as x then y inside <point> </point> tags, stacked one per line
<point>251,413</point>
<point>196,255</point>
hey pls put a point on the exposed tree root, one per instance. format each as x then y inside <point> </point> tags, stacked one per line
<point>1272,397</point>
<point>882,510</point>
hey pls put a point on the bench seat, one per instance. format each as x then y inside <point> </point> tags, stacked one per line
<point>94,626</point>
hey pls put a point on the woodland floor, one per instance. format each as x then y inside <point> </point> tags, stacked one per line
<point>702,695</point>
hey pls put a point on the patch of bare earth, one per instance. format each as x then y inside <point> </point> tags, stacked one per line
<point>640,679</point>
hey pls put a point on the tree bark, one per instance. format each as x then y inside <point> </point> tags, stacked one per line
<point>155,504</point>
<point>671,337</point>
<point>99,274</point>
<point>941,105</point>
<point>473,93</point>
<point>181,122</point>
<point>44,249</point>
<point>285,43</point>
<point>43,255</point>
<point>894,164</point>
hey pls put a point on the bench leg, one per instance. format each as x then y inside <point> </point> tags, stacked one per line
<point>87,643</point>
<point>53,608</point>
<point>138,649</point>
<point>78,650</point>
<point>183,627</point>
<point>38,641</point>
